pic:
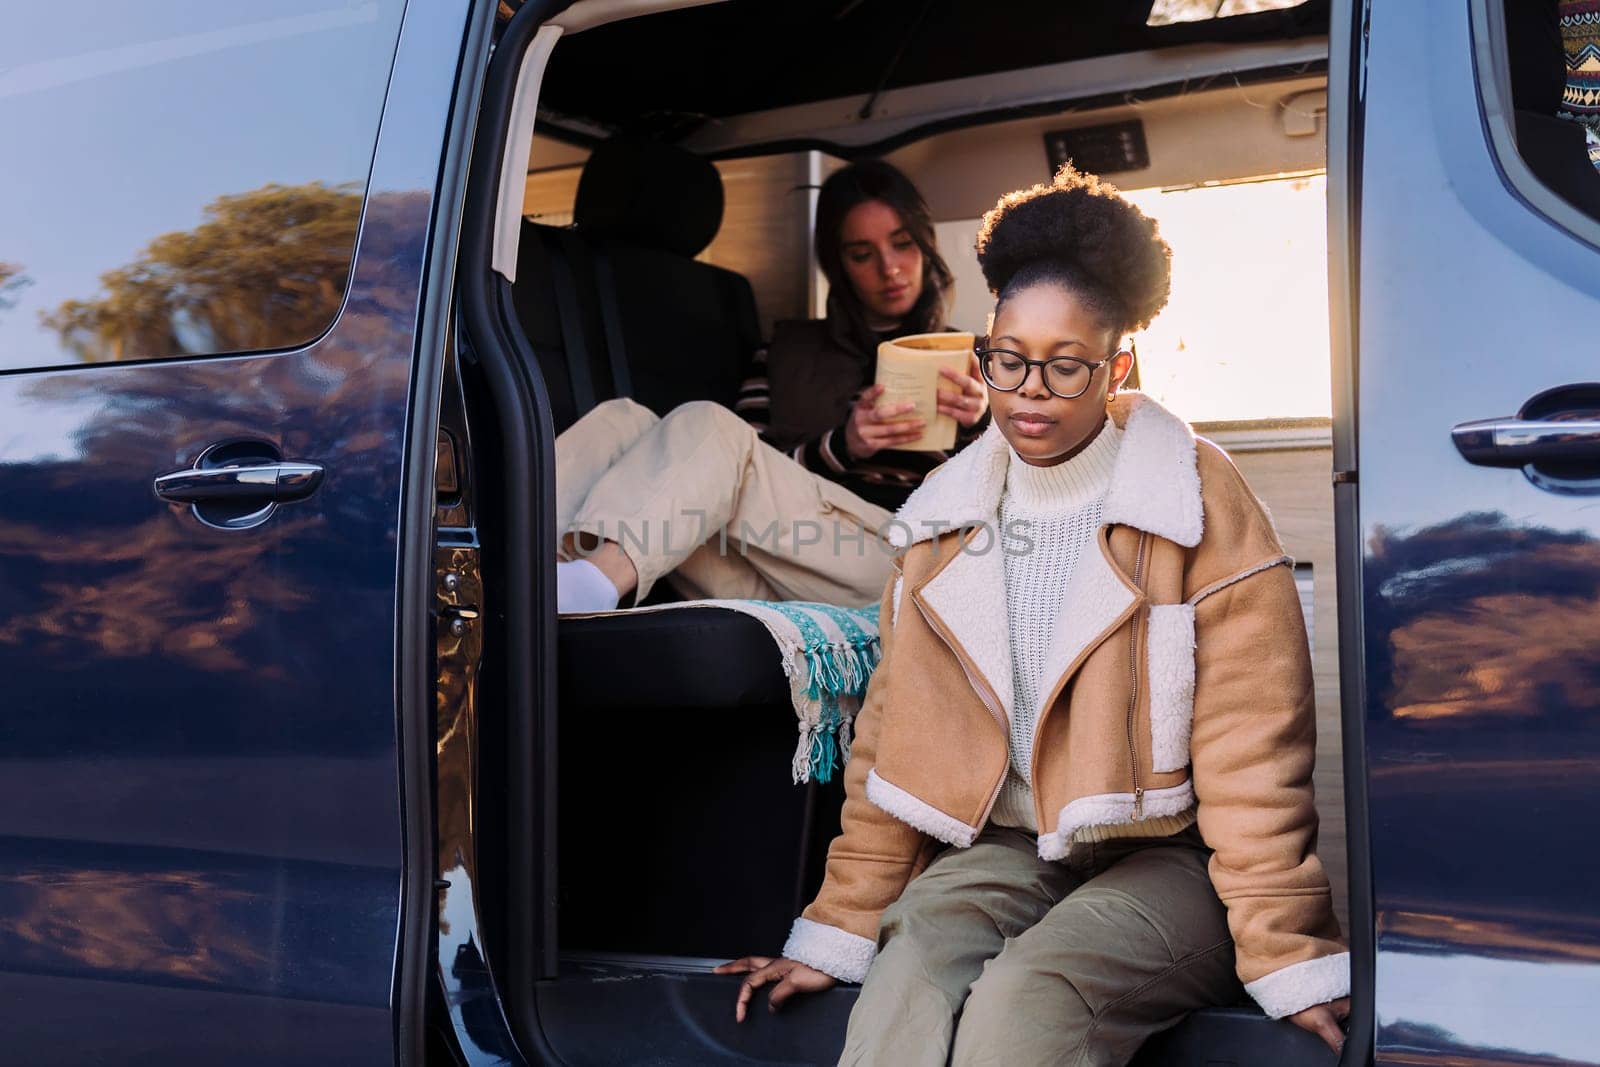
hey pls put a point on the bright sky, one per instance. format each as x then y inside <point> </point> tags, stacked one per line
<point>1245,335</point>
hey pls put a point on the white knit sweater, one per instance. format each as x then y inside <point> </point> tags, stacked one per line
<point>1057,509</point>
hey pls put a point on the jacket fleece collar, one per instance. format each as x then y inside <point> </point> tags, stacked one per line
<point>1155,486</point>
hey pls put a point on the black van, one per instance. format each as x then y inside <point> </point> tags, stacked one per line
<point>301,766</point>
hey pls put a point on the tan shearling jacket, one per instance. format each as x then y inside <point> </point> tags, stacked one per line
<point>1179,683</point>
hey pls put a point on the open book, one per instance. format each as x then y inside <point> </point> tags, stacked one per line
<point>908,369</point>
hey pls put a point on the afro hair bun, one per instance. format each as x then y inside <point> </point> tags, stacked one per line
<point>1078,221</point>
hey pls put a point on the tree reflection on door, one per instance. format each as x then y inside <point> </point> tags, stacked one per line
<point>265,269</point>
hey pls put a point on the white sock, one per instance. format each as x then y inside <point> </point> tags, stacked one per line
<point>581,587</point>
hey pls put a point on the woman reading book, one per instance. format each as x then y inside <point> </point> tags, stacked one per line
<point>783,497</point>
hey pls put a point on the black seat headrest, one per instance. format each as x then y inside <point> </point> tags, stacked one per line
<point>648,193</point>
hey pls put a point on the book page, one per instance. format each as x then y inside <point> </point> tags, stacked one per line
<point>908,370</point>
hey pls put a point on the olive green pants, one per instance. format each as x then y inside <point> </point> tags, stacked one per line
<point>994,956</point>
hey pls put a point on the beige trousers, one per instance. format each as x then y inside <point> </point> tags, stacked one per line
<point>698,496</point>
<point>994,956</point>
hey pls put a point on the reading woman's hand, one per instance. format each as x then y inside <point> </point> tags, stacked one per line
<point>871,429</point>
<point>792,978</point>
<point>966,399</point>
<point>1323,1020</point>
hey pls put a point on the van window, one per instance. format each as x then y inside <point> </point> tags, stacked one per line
<point>1245,334</point>
<point>1539,73</point>
<point>195,173</point>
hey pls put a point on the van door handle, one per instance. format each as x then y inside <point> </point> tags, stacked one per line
<point>1518,442</point>
<point>265,482</point>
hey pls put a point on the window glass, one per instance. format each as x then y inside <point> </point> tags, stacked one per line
<point>182,178</point>
<point>1245,334</point>
<point>1552,66</point>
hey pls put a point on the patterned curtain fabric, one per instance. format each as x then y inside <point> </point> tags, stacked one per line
<point>1580,40</point>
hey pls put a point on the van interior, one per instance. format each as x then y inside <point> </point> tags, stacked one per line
<point>633,817</point>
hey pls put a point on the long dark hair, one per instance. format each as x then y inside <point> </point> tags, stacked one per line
<point>873,179</point>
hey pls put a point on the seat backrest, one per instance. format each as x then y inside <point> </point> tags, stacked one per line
<point>617,305</point>
<point>685,330</point>
<point>560,316</point>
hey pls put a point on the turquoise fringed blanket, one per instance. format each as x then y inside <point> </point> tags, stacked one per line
<point>828,654</point>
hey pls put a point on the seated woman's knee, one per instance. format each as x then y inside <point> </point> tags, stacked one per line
<point>917,920</point>
<point>622,411</point>
<point>708,416</point>
<point>1011,1006</point>
<point>927,925</point>
<point>1013,977</point>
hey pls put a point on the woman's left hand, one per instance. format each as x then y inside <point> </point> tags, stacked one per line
<point>1323,1020</point>
<point>966,400</point>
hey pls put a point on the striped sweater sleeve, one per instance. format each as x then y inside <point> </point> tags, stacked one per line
<point>754,403</point>
<point>826,453</point>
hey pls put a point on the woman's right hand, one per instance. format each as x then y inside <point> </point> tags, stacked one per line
<point>792,977</point>
<point>871,429</point>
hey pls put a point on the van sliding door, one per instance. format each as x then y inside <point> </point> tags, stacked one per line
<point>1477,483</point>
<point>215,231</point>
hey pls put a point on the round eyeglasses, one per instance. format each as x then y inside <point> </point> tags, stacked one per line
<point>1067,377</point>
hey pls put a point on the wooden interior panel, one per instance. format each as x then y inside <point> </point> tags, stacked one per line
<point>766,232</point>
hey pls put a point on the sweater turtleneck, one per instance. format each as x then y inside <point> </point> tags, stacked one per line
<point>1058,508</point>
<point>1069,484</point>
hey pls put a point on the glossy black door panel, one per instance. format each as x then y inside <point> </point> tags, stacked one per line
<point>1481,585</point>
<point>201,843</point>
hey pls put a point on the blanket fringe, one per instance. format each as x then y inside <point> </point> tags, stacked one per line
<point>835,679</point>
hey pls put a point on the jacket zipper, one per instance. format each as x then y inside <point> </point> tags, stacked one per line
<point>989,702</point>
<point>1133,673</point>
<point>982,691</point>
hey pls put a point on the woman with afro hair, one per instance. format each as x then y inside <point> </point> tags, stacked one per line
<point>1079,803</point>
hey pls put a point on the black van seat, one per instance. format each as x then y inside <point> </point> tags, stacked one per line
<point>695,1024</point>
<point>720,659</point>
<point>680,329</point>
<point>676,730</point>
<point>617,305</point>
<point>560,317</point>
